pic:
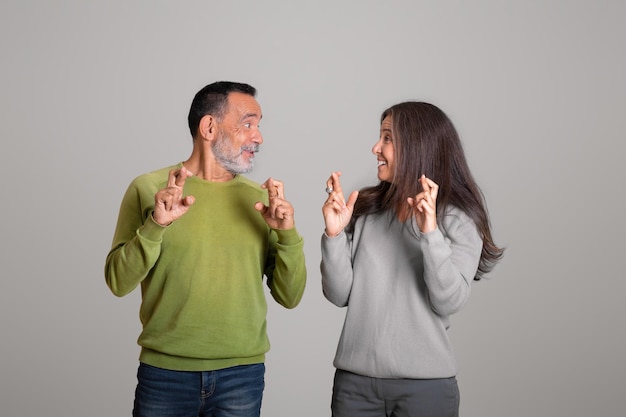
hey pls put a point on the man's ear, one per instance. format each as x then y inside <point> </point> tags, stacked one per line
<point>207,128</point>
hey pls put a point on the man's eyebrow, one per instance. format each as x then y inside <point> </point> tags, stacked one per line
<point>251,115</point>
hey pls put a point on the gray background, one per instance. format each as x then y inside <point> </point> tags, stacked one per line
<point>95,93</point>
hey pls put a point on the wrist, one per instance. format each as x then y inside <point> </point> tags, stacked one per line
<point>330,234</point>
<point>157,222</point>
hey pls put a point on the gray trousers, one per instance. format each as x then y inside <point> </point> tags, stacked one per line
<point>361,396</point>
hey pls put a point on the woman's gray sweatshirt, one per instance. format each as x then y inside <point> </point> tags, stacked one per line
<point>400,287</point>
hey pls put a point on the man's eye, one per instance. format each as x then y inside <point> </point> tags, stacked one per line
<point>247,125</point>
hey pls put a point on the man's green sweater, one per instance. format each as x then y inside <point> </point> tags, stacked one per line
<point>203,300</point>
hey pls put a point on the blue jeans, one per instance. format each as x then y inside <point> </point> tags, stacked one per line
<point>230,392</point>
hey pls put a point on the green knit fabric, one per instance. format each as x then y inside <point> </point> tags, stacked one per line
<point>203,298</point>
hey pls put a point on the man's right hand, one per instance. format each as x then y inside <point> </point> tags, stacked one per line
<point>169,203</point>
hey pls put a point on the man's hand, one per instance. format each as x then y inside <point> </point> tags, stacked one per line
<point>279,214</point>
<point>169,203</point>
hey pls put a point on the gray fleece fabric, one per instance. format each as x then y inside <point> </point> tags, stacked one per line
<point>400,286</point>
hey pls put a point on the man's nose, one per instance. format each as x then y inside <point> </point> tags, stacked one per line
<point>257,137</point>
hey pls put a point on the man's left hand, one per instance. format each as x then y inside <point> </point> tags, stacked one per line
<point>279,213</point>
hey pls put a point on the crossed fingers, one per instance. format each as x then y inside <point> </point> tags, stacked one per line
<point>279,213</point>
<point>335,192</point>
<point>169,202</point>
<point>275,188</point>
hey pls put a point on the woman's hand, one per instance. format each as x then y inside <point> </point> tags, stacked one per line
<point>424,205</point>
<point>337,213</point>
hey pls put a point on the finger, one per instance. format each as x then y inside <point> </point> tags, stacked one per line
<point>416,202</point>
<point>189,200</point>
<point>430,195</point>
<point>421,196</point>
<point>283,210</point>
<point>430,182</point>
<point>181,177</point>
<point>336,183</point>
<point>330,182</point>
<point>426,196</point>
<point>279,189</point>
<point>335,198</point>
<point>274,188</point>
<point>337,206</point>
<point>178,176</point>
<point>419,206</point>
<point>425,207</point>
<point>429,185</point>
<point>168,202</point>
<point>273,209</point>
<point>338,197</point>
<point>424,183</point>
<point>352,200</point>
<point>171,178</point>
<point>285,213</point>
<point>267,185</point>
<point>260,207</point>
<point>434,191</point>
<point>275,206</point>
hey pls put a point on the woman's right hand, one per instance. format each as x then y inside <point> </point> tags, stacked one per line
<point>337,213</point>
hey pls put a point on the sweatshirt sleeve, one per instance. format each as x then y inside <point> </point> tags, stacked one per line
<point>336,268</point>
<point>286,270</point>
<point>136,244</point>
<point>451,260</point>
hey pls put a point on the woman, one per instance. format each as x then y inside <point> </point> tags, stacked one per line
<point>401,256</point>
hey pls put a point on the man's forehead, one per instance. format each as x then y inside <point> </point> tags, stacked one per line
<point>243,105</point>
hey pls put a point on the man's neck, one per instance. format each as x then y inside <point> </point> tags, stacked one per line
<point>205,166</point>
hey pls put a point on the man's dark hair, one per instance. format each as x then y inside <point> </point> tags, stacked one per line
<point>213,100</point>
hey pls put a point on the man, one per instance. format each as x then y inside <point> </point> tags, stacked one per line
<point>199,237</point>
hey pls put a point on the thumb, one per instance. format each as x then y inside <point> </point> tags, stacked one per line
<point>352,200</point>
<point>259,206</point>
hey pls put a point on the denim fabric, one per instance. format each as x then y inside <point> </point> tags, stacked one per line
<point>230,392</point>
<point>356,395</point>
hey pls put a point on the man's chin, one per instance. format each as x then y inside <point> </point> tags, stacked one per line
<point>242,169</point>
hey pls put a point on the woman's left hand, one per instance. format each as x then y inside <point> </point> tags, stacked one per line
<point>424,205</point>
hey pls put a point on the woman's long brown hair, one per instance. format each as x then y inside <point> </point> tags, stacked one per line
<point>426,142</point>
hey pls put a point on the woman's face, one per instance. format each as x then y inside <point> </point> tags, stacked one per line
<point>384,151</point>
